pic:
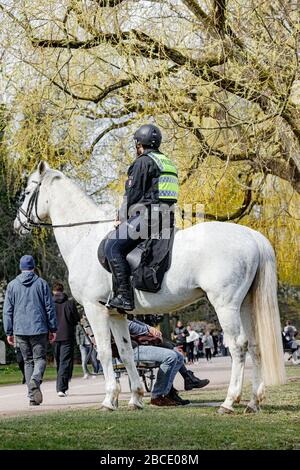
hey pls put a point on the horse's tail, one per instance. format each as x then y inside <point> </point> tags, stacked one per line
<point>266,315</point>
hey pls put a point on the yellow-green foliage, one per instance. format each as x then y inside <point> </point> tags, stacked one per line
<point>223,88</point>
<point>39,133</point>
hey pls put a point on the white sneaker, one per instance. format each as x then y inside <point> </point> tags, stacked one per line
<point>86,376</point>
<point>62,394</point>
<point>94,376</point>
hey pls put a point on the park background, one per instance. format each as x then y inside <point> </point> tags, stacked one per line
<point>221,78</point>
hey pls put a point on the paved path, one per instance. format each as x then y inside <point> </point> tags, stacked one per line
<point>90,393</point>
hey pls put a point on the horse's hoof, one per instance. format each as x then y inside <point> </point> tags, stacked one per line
<point>132,407</point>
<point>251,409</point>
<point>106,408</point>
<point>225,411</point>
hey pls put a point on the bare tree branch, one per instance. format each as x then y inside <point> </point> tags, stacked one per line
<point>195,8</point>
<point>143,46</point>
<point>245,208</point>
<point>220,16</point>
<point>113,126</point>
<point>108,3</point>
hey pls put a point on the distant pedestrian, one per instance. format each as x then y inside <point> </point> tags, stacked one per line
<point>87,349</point>
<point>29,315</point>
<point>67,319</point>
<point>180,334</point>
<point>215,338</point>
<point>208,345</point>
<point>190,343</point>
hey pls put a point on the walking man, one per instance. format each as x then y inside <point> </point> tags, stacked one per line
<point>29,315</point>
<point>67,318</point>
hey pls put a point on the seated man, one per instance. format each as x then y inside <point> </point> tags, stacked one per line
<point>288,336</point>
<point>171,362</point>
<point>290,332</point>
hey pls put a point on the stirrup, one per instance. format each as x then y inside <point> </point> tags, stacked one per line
<point>121,303</point>
<point>107,305</point>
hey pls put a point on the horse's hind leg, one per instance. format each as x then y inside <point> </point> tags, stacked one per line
<point>258,389</point>
<point>100,324</point>
<point>119,328</point>
<point>235,338</point>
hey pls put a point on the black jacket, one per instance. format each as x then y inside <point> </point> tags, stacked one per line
<point>67,317</point>
<point>142,184</point>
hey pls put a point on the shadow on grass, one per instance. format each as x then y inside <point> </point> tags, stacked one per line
<point>202,402</point>
<point>276,408</point>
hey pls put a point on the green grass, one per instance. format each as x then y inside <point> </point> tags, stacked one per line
<point>11,374</point>
<point>277,426</point>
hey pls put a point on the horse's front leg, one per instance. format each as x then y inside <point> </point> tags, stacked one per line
<point>119,328</point>
<point>99,320</point>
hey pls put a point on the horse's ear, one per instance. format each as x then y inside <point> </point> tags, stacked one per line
<point>42,168</point>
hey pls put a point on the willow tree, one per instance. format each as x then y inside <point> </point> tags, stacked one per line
<point>221,77</point>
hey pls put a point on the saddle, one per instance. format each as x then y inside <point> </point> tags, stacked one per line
<point>148,261</point>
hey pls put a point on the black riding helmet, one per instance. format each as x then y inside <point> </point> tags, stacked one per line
<point>149,136</point>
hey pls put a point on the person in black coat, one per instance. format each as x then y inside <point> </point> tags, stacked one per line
<point>67,319</point>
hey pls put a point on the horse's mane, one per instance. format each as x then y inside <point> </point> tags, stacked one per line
<point>52,175</point>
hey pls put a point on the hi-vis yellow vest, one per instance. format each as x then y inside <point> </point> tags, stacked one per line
<point>168,186</point>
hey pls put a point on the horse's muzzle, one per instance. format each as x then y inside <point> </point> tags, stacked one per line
<point>20,229</point>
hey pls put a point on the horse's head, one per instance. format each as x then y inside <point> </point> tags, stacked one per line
<point>34,207</point>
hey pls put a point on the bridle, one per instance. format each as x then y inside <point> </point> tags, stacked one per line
<point>32,204</point>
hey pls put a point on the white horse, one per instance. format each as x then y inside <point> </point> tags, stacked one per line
<point>234,265</point>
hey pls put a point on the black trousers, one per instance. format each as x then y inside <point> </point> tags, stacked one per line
<point>208,353</point>
<point>20,362</point>
<point>64,355</point>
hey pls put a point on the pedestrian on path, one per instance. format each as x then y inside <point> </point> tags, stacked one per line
<point>87,349</point>
<point>208,345</point>
<point>29,319</point>
<point>67,319</point>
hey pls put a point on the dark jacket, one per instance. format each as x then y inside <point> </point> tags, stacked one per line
<point>67,317</point>
<point>181,335</point>
<point>142,184</point>
<point>28,306</point>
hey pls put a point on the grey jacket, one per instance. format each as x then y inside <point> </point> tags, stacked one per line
<point>81,337</point>
<point>28,306</point>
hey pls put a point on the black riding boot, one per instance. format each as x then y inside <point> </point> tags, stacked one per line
<point>123,292</point>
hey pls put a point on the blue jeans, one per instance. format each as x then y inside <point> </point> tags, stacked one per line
<point>85,351</point>
<point>170,362</point>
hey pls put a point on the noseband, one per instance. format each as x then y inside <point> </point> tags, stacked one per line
<point>32,203</point>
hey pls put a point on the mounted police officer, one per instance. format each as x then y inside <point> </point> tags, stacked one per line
<point>148,206</point>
